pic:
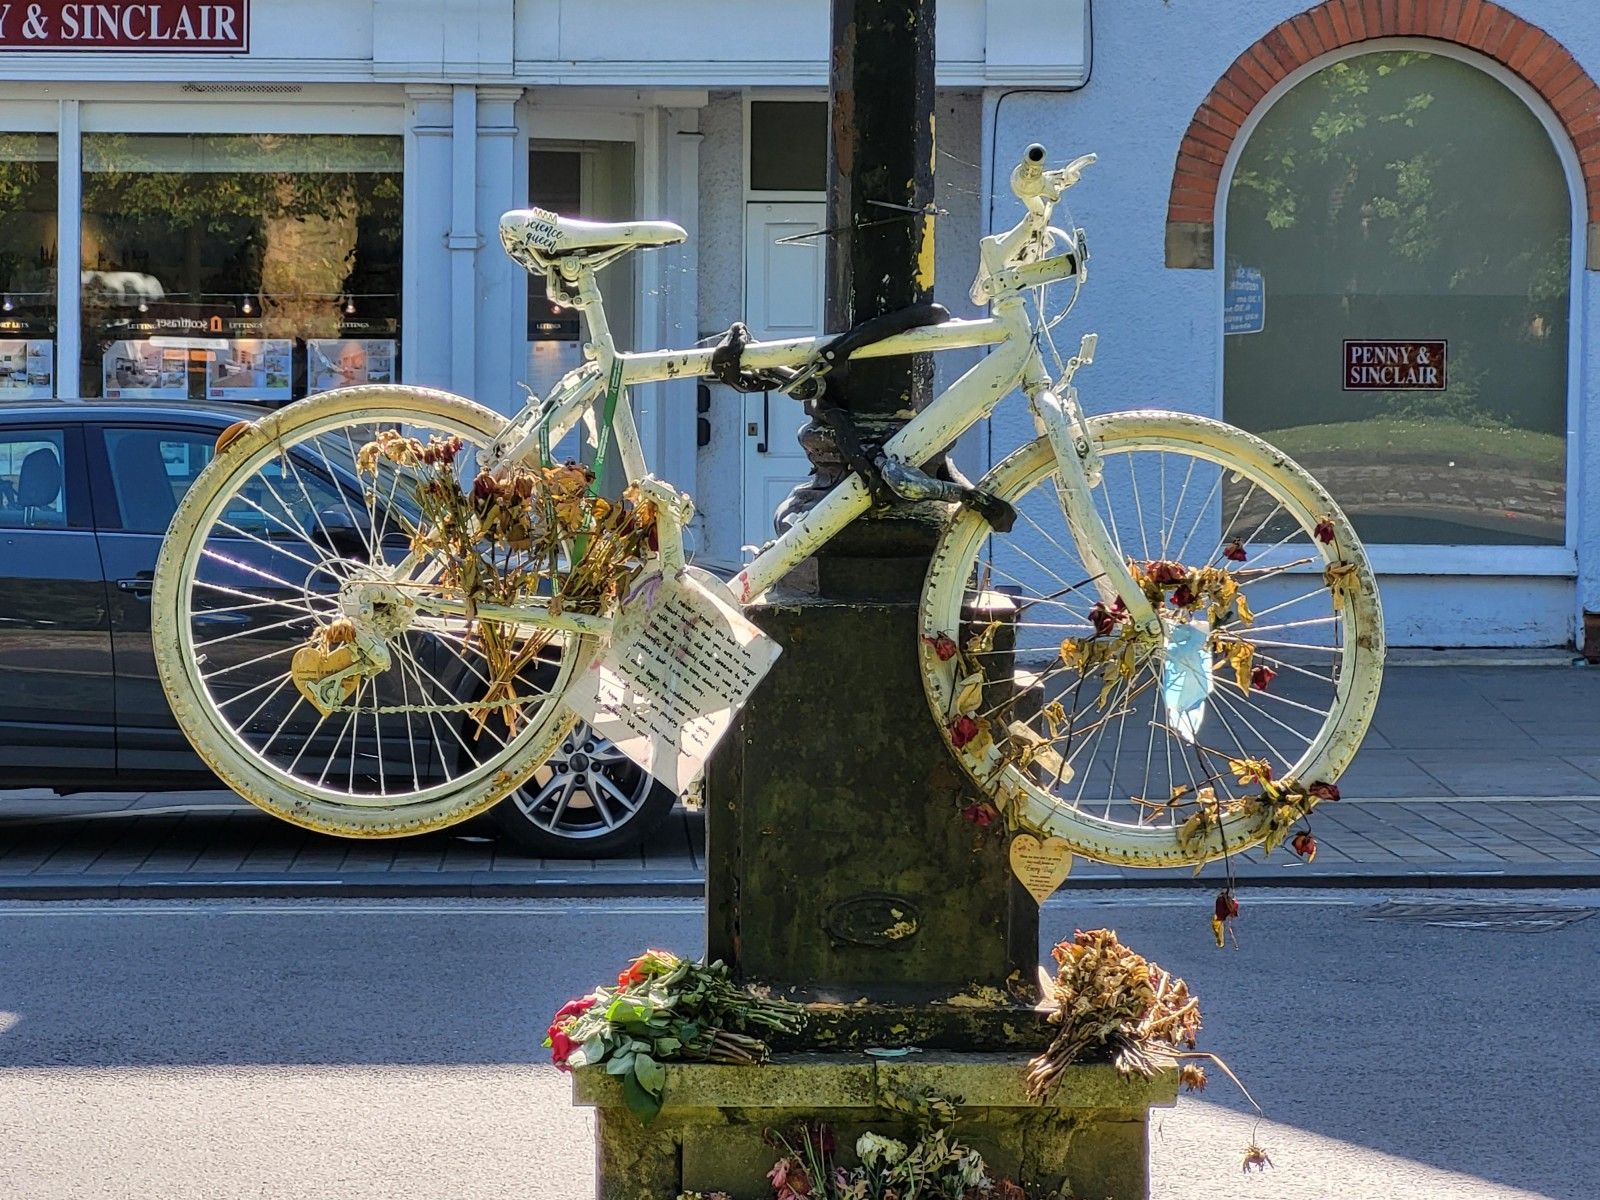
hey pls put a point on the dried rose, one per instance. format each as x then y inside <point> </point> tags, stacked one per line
<point>1248,770</point>
<point>1324,791</point>
<point>982,814</point>
<point>943,645</point>
<point>1183,597</point>
<point>1305,845</point>
<point>962,730</point>
<point>1261,677</point>
<point>1235,551</point>
<point>1324,530</point>
<point>1102,618</point>
<point>1164,573</point>
<point>1227,906</point>
<point>1193,1077</point>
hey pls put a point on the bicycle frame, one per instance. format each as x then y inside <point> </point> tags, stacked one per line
<point>963,404</point>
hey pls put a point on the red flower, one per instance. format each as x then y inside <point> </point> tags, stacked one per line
<point>572,1008</point>
<point>1183,597</point>
<point>962,731</point>
<point>1226,907</point>
<point>1164,573</point>
<point>560,1047</point>
<point>943,645</point>
<point>1102,618</point>
<point>633,973</point>
<point>483,486</point>
<point>1324,531</point>
<point>1235,551</point>
<point>1324,791</point>
<point>1261,677</point>
<point>1305,845</point>
<point>982,814</point>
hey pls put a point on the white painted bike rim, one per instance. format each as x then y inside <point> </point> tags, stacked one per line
<point>300,801</point>
<point>1358,675</point>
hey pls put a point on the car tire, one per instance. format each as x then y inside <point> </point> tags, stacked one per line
<point>611,803</point>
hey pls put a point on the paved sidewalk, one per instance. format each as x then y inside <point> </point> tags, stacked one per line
<point>1484,776</point>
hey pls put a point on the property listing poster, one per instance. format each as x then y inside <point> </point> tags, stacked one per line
<point>27,369</point>
<point>138,370</point>
<point>251,369</point>
<point>342,362</point>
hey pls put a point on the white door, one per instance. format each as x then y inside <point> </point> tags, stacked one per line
<point>783,287</point>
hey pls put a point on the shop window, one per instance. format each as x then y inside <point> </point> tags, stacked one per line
<point>1398,260</point>
<point>788,145</point>
<point>239,267</point>
<point>27,265</point>
<point>594,181</point>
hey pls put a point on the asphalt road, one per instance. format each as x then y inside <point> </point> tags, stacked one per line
<point>358,1050</point>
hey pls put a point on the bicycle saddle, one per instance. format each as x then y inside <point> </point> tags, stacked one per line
<point>533,236</point>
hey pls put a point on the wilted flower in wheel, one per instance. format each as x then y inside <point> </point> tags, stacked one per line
<point>1261,677</point>
<point>1324,791</point>
<point>943,645</point>
<point>1235,551</point>
<point>962,730</point>
<point>1102,618</point>
<point>1164,573</point>
<point>1305,845</point>
<point>1324,530</point>
<point>1182,597</point>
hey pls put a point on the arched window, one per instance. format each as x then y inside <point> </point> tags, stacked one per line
<point>1397,265</point>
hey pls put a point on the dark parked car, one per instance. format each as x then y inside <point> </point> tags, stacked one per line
<point>86,492</point>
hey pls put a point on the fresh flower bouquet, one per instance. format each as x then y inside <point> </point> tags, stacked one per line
<point>665,1008</point>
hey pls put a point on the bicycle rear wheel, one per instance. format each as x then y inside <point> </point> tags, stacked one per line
<point>268,548</point>
<point>1169,748</point>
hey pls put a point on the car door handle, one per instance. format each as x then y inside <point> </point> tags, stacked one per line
<point>139,585</point>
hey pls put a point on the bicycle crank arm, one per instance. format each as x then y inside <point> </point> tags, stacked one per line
<point>1100,553</point>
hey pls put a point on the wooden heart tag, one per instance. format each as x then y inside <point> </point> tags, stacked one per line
<point>1041,866</point>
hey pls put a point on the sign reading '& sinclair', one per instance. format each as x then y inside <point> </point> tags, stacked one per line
<point>151,25</point>
<point>1394,366</point>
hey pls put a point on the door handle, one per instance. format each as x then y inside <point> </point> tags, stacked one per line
<point>139,585</point>
<point>766,420</point>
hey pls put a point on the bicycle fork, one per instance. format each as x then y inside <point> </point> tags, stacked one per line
<point>1077,474</point>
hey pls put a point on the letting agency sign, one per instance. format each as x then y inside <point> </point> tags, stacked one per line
<point>153,25</point>
<point>1394,366</point>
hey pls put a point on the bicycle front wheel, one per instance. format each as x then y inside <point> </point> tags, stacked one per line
<point>1218,731</point>
<point>280,539</point>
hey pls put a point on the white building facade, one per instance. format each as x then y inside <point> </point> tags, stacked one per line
<point>1293,208</point>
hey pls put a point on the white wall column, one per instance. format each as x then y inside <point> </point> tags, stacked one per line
<point>502,299</point>
<point>677,447</point>
<point>464,240</point>
<point>69,256</point>
<point>425,313</point>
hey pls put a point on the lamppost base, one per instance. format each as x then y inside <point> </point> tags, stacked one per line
<point>1089,1137</point>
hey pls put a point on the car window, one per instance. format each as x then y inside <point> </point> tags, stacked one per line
<point>151,469</point>
<point>279,503</point>
<point>33,482</point>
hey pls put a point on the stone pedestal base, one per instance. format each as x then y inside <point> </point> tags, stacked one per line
<point>1089,1138</point>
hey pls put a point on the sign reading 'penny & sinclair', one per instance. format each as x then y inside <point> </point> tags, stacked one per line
<point>149,25</point>
<point>1395,366</point>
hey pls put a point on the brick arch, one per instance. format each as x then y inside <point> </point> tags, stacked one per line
<point>1495,32</point>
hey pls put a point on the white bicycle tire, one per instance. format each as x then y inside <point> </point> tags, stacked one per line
<point>1088,834</point>
<point>210,734</point>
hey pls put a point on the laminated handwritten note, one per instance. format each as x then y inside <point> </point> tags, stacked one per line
<point>682,661</point>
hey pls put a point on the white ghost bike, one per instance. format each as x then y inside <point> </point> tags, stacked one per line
<point>1184,627</point>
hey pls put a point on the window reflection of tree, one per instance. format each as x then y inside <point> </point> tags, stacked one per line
<point>1409,195</point>
<point>290,224</point>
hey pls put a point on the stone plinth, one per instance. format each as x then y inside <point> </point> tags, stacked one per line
<point>1090,1135</point>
